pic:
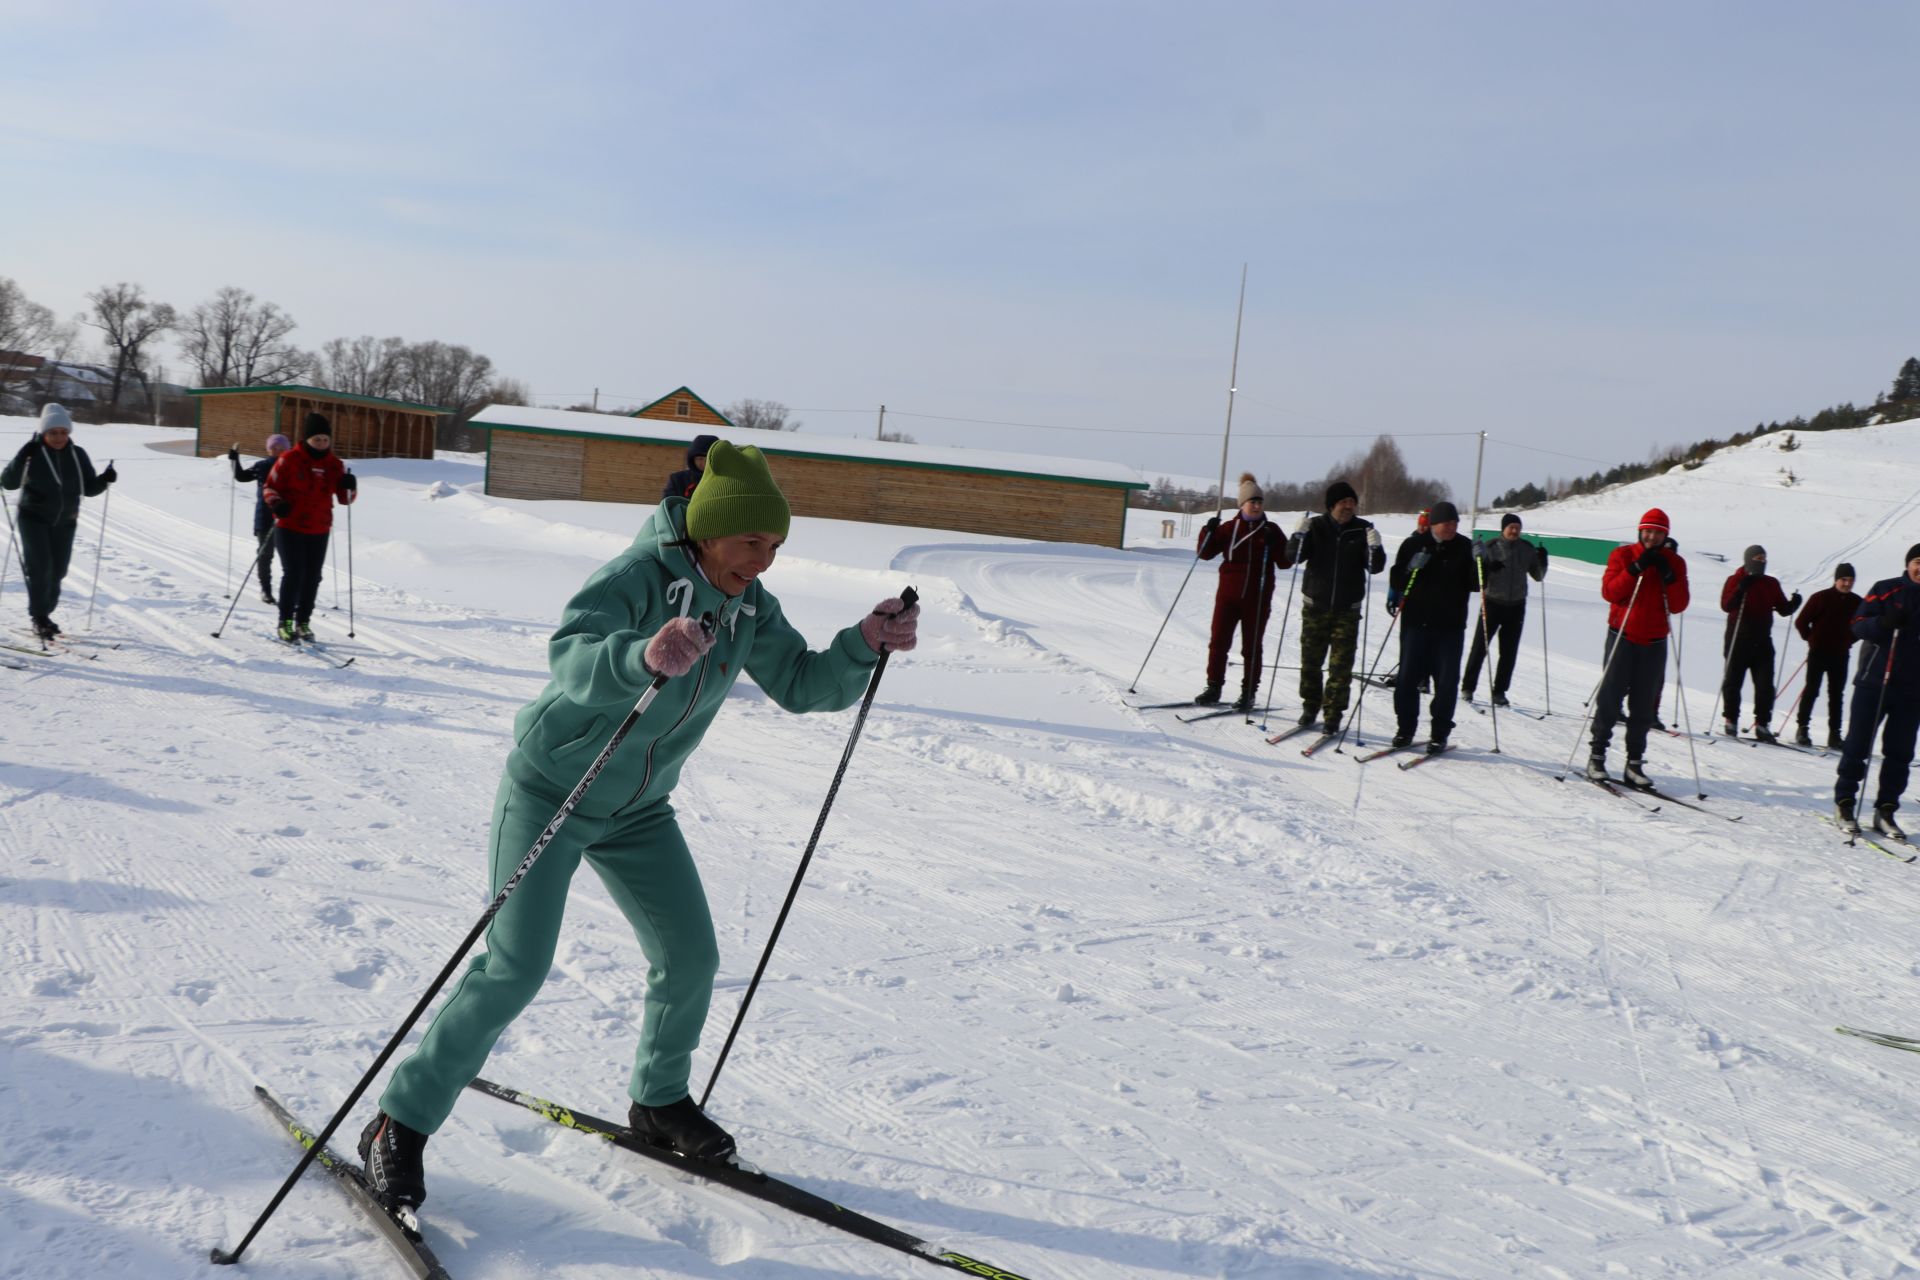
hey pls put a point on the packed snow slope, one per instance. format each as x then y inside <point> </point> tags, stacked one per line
<point>1078,989</point>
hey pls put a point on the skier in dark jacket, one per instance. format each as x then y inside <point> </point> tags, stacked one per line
<point>1252,550</point>
<point>1433,575</point>
<point>255,473</point>
<point>1826,624</point>
<point>1750,597</point>
<point>636,618</point>
<point>1508,562</point>
<point>300,491</point>
<point>1644,585</point>
<point>1337,551</point>
<point>1887,685</point>
<point>52,474</point>
<point>681,483</point>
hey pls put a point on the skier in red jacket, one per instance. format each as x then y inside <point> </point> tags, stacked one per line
<point>1750,598</point>
<point>300,491</point>
<point>1251,549</point>
<point>1644,585</point>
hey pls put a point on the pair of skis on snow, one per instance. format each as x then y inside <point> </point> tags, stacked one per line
<point>403,1233</point>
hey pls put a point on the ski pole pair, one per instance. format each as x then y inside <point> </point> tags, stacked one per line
<point>227,1257</point>
<point>15,541</point>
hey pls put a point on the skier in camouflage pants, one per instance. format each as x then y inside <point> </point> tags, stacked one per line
<point>1337,551</point>
<point>1327,637</point>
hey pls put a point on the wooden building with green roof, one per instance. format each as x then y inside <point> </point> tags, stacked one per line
<point>566,454</point>
<point>363,426</point>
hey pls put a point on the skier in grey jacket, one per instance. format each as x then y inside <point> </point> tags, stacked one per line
<point>1508,562</point>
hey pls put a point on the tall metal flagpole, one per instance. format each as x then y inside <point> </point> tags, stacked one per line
<point>1233,385</point>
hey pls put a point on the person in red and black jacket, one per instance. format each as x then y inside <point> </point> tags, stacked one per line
<point>1826,624</point>
<point>1252,550</point>
<point>1887,684</point>
<point>1750,597</point>
<point>1644,585</point>
<point>300,491</point>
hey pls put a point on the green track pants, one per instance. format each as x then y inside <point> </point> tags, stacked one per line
<point>646,867</point>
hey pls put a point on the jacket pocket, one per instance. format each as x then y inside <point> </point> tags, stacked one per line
<point>595,730</point>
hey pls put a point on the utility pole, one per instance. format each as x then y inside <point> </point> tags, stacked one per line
<point>1233,385</point>
<point>596,399</point>
<point>880,430</point>
<point>1478,460</point>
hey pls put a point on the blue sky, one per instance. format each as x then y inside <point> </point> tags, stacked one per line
<point>1590,228</point>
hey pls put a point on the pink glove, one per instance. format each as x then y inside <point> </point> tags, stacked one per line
<point>676,646</point>
<point>891,626</point>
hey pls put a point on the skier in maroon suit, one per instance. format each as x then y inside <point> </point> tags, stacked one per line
<point>1252,551</point>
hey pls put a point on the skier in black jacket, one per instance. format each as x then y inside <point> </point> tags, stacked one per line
<point>256,475</point>
<point>681,483</point>
<point>1433,576</point>
<point>1886,686</point>
<point>52,474</point>
<point>1337,551</point>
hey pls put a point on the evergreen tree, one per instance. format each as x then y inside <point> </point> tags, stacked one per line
<point>1906,386</point>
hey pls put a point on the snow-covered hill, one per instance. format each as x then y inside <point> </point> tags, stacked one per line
<point>1078,989</point>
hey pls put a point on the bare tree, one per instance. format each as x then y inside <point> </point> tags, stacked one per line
<point>761,415</point>
<point>26,329</point>
<point>129,320</point>
<point>235,340</point>
<point>362,366</point>
<point>898,437</point>
<point>445,374</point>
<point>509,391</point>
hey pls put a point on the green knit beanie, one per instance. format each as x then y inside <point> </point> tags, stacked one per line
<point>736,494</point>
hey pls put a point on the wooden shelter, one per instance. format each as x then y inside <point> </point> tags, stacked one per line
<point>363,426</point>
<point>558,453</point>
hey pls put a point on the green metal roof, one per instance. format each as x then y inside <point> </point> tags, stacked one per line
<point>321,393</point>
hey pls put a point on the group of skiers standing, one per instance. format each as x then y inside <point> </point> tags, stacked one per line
<point>1436,572</point>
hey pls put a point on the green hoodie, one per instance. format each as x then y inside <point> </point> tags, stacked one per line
<point>595,658</point>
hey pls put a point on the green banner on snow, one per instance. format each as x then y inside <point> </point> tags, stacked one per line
<point>1590,550</point>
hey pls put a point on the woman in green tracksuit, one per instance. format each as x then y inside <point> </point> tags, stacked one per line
<point>636,618</point>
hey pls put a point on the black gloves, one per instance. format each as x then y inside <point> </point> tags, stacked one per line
<point>280,507</point>
<point>1897,614</point>
<point>233,455</point>
<point>1213,523</point>
<point>1793,604</point>
<point>109,475</point>
<point>348,483</point>
<point>26,449</point>
<point>1542,551</point>
<point>1667,575</point>
<point>1644,561</point>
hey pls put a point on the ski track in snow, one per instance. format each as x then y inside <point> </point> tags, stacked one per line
<point>1072,987</point>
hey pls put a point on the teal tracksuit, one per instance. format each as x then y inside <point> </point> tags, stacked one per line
<point>624,826</point>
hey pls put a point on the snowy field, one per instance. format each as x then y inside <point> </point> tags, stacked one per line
<point>1074,988</point>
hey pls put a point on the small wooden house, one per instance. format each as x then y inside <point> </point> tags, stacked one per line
<point>363,426</point>
<point>559,453</point>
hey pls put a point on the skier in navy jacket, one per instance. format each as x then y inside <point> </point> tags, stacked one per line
<point>1887,686</point>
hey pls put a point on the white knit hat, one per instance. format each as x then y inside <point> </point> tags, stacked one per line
<point>1249,487</point>
<point>54,417</point>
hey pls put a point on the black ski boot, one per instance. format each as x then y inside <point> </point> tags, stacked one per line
<point>1436,745</point>
<point>1731,729</point>
<point>1308,715</point>
<point>390,1156</point>
<point>1500,698</point>
<point>1333,722</point>
<point>1883,823</point>
<point>1843,815</point>
<point>1764,734</point>
<point>1597,769</point>
<point>1244,703</point>
<point>1207,697</point>
<point>1402,740</point>
<point>43,630</point>
<point>1835,742</point>
<point>1802,738</point>
<point>1635,775</point>
<point>681,1126</point>
<point>266,596</point>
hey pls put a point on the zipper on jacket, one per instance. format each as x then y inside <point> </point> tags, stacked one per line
<point>692,702</point>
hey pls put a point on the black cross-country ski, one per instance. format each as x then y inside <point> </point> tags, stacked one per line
<point>1789,746</point>
<point>748,1181</point>
<point>1211,715</point>
<point>1684,804</point>
<point>1274,740</point>
<point>1887,1038</point>
<point>1160,706</point>
<point>1612,788</point>
<point>47,647</point>
<point>1423,757</point>
<point>1899,851</point>
<point>404,1237</point>
<point>1387,750</point>
<point>312,649</point>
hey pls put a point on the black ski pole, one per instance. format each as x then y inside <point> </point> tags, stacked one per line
<point>227,1257</point>
<point>233,497</point>
<point>13,543</point>
<point>1879,709</point>
<point>1285,612</point>
<point>1367,679</point>
<point>1733,646</point>
<point>266,548</point>
<point>1606,665</point>
<point>907,599</point>
<point>1487,659</point>
<point>1133,688</point>
<point>106,503</point>
<point>1686,717</point>
<point>1546,654</point>
<point>356,498</point>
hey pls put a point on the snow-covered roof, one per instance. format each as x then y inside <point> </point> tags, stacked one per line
<point>799,444</point>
